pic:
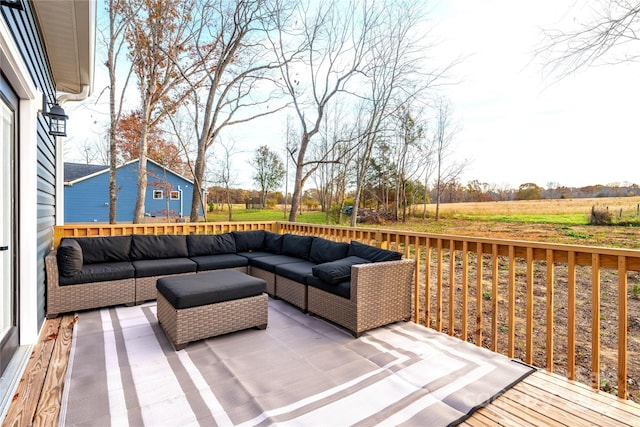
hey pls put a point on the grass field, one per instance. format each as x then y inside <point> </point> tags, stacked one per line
<point>556,221</point>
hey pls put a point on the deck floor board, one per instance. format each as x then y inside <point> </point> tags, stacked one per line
<point>542,398</point>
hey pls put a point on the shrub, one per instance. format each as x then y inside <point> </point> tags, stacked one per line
<point>600,216</point>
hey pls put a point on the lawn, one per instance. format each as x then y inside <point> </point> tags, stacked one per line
<point>555,221</point>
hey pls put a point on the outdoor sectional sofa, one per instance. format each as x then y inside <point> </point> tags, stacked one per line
<point>352,284</point>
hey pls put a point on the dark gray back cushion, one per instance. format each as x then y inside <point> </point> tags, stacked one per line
<point>297,246</point>
<point>158,247</point>
<point>338,271</point>
<point>247,241</point>
<point>273,243</point>
<point>372,253</point>
<point>69,257</point>
<point>105,249</point>
<point>211,244</point>
<point>323,250</point>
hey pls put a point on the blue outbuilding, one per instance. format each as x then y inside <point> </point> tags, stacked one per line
<point>86,193</point>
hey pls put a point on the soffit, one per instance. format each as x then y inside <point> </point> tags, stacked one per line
<point>68,29</point>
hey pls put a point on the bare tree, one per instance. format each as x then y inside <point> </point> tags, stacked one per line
<point>225,174</point>
<point>447,171</point>
<point>608,35</point>
<point>120,15</point>
<point>237,85</point>
<point>393,80</point>
<point>158,36</point>
<point>321,47</point>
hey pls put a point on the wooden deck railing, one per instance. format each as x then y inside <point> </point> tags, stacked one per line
<point>561,307</point>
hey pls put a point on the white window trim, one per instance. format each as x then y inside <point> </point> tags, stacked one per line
<point>161,194</point>
<point>174,195</point>
<point>17,74</point>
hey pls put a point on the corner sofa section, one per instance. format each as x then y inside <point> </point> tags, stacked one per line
<point>354,285</point>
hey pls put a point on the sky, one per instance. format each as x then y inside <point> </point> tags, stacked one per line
<point>516,124</point>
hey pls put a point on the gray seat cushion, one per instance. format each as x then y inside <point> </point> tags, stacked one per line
<point>161,267</point>
<point>342,289</point>
<point>268,263</point>
<point>209,288</point>
<point>255,254</point>
<point>100,272</point>
<point>215,262</point>
<point>297,271</point>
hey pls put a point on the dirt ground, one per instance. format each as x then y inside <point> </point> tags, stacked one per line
<point>619,237</point>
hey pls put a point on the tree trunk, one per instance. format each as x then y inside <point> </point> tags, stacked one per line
<point>138,212</point>
<point>198,173</point>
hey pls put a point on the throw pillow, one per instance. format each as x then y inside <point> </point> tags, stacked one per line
<point>69,257</point>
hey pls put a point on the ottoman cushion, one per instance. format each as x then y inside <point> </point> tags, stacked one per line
<point>209,288</point>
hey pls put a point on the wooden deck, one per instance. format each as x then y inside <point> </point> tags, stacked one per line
<point>541,399</point>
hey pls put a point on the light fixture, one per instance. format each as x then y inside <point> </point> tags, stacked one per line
<point>57,118</point>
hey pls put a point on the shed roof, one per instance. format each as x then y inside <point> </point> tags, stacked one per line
<point>73,171</point>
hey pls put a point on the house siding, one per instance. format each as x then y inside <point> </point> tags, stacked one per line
<point>86,200</point>
<point>25,32</point>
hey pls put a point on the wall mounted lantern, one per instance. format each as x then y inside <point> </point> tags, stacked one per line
<point>57,118</point>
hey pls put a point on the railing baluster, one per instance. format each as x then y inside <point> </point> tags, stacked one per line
<point>511,294</point>
<point>550,303</point>
<point>427,283</point>
<point>465,289</point>
<point>416,282</point>
<point>595,321</point>
<point>571,317</point>
<point>439,289</point>
<point>622,327</point>
<point>529,315</point>
<point>452,286</point>
<point>494,297</point>
<point>479,294</point>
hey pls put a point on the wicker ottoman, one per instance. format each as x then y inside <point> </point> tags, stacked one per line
<point>196,306</point>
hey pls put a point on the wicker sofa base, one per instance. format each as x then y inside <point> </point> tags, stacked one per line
<point>196,323</point>
<point>267,276</point>
<point>66,298</point>
<point>292,292</point>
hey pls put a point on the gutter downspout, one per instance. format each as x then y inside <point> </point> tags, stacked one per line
<point>63,99</point>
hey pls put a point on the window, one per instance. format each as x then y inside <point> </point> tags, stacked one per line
<point>174,195</point>
<point>157,194</point>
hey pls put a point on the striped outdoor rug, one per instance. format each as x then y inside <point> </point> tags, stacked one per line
<point>301,371</point>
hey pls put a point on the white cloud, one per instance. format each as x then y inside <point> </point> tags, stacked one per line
<point>519,128</point>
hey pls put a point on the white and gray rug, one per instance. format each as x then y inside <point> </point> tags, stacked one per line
<point>300,371</point>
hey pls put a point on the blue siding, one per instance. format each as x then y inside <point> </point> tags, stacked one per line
<point>88,200</point>
<point>25,31</point>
